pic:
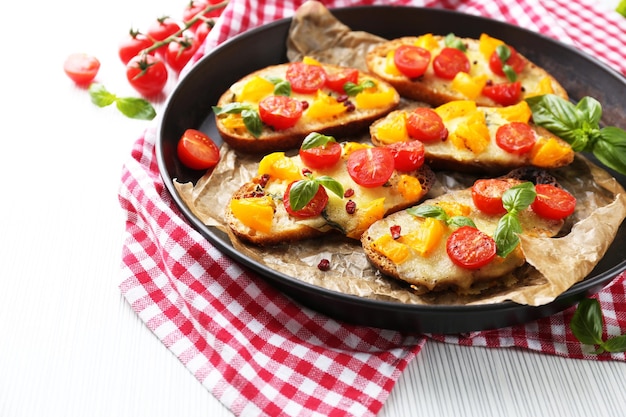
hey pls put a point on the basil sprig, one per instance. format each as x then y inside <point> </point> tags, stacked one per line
<point>315,140</point>
<point>440,214</point>
<point>303,191</point>
<point>250,115</point>
<point>587,324</point>
<point>353,89</point>
<point>579,125</point>
<point>504,53</point>
<point>132,107</point>
<point>514,200</point>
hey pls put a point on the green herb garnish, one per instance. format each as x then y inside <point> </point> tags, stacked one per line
<point>587,325</point>
<point>250,115</point>
<point>132,107</point>
<point>440,214</point>
<point>353,89</point>
<point>451,41</point>
<point>504,53</point>
<point>315,140</point>
<point>579,125</point>
<point>303,191</point>
<point>514,200</point>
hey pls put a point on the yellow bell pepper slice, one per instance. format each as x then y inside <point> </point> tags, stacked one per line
<point>426,238</point>
<point>368,214</point>
<point>310,61</point>
<point>550,153</point>
<point>390,65</point>
<point>519,112</point>
<point>393,129</point>
<point>278,166</point>
<point>470,87</point>
<point>325,106</point>
<point>371,100</point>
<point>255,212</point>
<point>409,187</point>
<point>487,45</point>
<point>427,41</point>
<point>473,134</point>
<point>396,252</point>
<point>543,87</point>
<point>255,90</point>
<point>454,109</point>
<point>453,208</point>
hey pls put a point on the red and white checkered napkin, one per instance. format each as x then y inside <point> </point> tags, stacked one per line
<point>256,350</point>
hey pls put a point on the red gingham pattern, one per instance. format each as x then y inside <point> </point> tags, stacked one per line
<point>256,350</point>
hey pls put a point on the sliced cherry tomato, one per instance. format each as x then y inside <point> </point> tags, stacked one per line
<point>336,80</point>
<point>371,167</point>
<point>516,137</point>
<point>487,195</point>
<point>470,248</point>
<point>305,78</point>
<point>312,208</point>
<point>180,52</point>
<point>411,60</point>
<point>197,151</point>
<point>147,74</point>
<point>132,45</point>
<point>81,68</point>
<point>162,28</point>
<point>505,94</point>
<point>407,156</point>
<point>280,112</point>
<point>515,61</point>
<point>450,62</point>
<point>321,157</point>
<point>425,125</point>
<point>553,202</point>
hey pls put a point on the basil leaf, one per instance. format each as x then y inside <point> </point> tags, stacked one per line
<point>253,122</point>
<point>429,211</point>
<point>353,89</point>
<point>100,96</point>
<point>556,114</point>
<point>460,221</point>
<point>231,108</point>
<point>301,193</point>
<point>615,344</point>
<point>452,41</point>
<point>587,323</point>
<point>314,140</point>
<point>610,148</point>
<point>331,184</point>
<point>135,108</point>
<point>519,197</point>
<point>591,110</point>
<point>506,234</point>
<point>282,88</point>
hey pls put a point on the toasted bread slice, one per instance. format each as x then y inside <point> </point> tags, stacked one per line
<point>435,90</point>
<point>324,110</point>
<point>418,253</point>
<point>476,139</point>
<point>257,212</point>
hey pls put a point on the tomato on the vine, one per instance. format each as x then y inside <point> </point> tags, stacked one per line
<point>411,60</point>
<point>147,74</point>
<point>202,31</point>
<point>305,78</point>
<point>425,125</point>
<point>487,195</point>
<point>81,68</point>
<point>321,157</point>
<point>505,93</point>
<point>450,62</point>
<point>312,208</point>
<point>371,167</point>
<point>180,52</point>
<point>470,248</point>
<point>161,29</point>
<point>407,156</point>
<point>553,202</point>
<point>197,151</point>
<point>197,6</point>
<point>516,137</point>
<point>132,45</point>
<point>280,112</point>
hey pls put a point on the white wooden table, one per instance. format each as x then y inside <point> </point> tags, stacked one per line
<point>71,346</point>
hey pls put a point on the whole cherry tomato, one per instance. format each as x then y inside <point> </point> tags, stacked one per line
<point>161,29</point>
<point>132,45</point>
<point>505,94</point>
<point>202,31</point>
<point>321,157</point>
<point>197,6</point>
<point>425,125</point>
<point>553,202</point>
<point>337,79</point>
<point>81,68</point>
<point>197,151</point>
<point>516,137</point>
<point>305,78</point>
<point>487,195</point>
<point>371,167</point>
<point>450,62</point>
<point>411,60</point>
<point>180,52</point>
<point>470,248</point>
<point>280,112</point>
<point>312,208</point>
<point>147,74</point>
<point>407,156</point>
<point>515,61</point>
